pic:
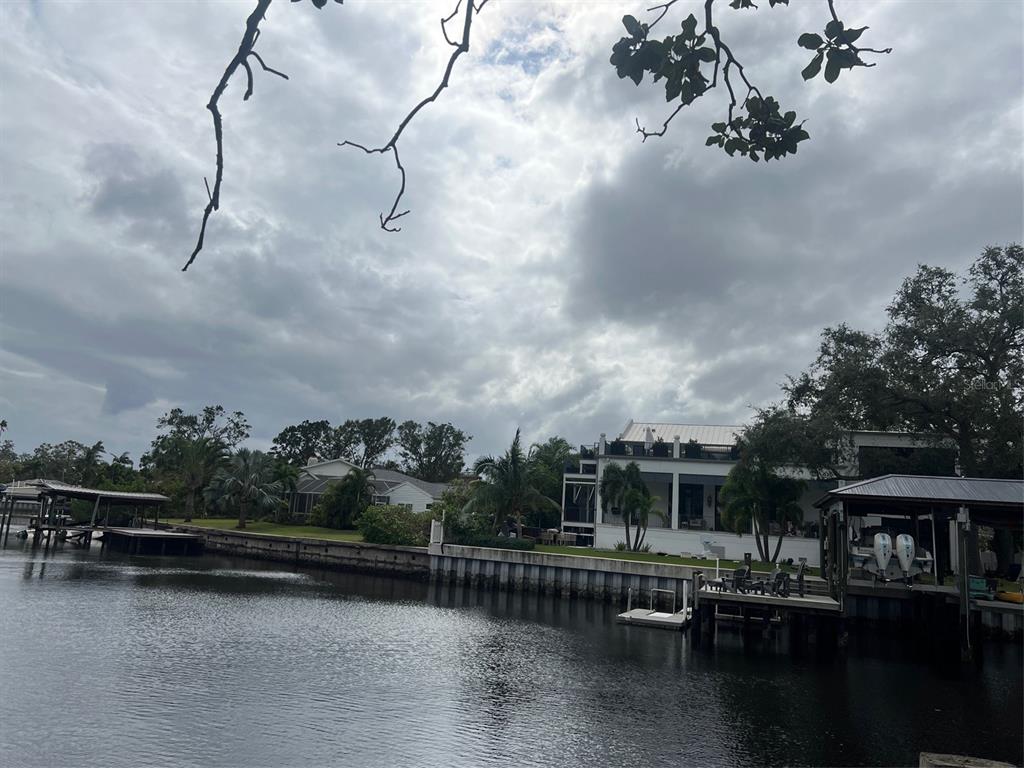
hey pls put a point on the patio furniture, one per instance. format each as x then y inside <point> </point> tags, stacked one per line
<point>776,585</point>
<point>800,587</point>
<point>737,581</point>
<point>567,539</point>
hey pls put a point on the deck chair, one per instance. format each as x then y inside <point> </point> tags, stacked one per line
<point>737,581</point>
<point>800,586</point>
<point>776,585</point>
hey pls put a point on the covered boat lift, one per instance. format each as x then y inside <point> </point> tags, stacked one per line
<point>52,525</point>
<point>945,510</point>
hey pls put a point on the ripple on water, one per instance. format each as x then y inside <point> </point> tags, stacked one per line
<point>138,662</point>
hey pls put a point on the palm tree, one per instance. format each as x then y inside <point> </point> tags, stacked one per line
<point>755,496</point>
<point>508,486</point>
<point>198,462</point>
<point>88,463</point>
<point>624,489</point>
<point>357,489</point>
<point>247,484</point>
<point>640,505</point>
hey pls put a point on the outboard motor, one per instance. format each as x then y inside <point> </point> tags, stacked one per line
<point>883,553</point>
<point>905,553</point>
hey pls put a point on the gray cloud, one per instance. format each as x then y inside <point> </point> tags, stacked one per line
<point>555,274</point>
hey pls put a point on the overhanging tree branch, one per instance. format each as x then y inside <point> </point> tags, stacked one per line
<point>387,221</point>
<point>764,131</point>
<point>240,59</point>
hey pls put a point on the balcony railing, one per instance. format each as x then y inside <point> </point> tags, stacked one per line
<point>663,450</point>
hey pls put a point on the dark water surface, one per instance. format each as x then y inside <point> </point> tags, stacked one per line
<point>116,661</point>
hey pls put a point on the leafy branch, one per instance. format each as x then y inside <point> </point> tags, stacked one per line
<point>681,61</point>
<point>462,46</point>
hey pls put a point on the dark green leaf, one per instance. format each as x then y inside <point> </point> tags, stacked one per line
<point>707,54</point>
<point>851,35</point>
<point>718,127</point>
<point>632,25</point>
<point>833,29</point>
<point>711,140</point>
<point>813,68</point>
<point>832,70</point>
<point>810,41</point>
<point>690,27</point>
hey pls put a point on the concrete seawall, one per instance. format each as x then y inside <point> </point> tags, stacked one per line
<point>569,576</point>
<point>595,578</point>
<point>321,553</point>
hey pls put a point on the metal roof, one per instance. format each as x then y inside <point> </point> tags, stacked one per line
<point>55,488</point>
<point>705,434</point>
<point>957,490</point>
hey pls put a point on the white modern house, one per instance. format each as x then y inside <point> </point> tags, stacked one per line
<point>685,466</point>
<point>391,487</point>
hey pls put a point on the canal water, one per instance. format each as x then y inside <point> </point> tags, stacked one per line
<point>116,661</point>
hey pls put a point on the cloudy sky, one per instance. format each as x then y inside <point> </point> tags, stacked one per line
<point>554,274</point>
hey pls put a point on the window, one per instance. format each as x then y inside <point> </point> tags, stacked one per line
<point>691,505</point>
<point>380,499</point>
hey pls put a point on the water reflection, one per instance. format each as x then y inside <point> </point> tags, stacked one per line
<point>208,661</point>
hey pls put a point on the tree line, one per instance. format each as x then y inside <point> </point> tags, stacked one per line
<point>198,460</point>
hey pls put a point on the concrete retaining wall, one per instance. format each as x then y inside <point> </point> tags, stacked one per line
<point>594,578</point>
<point>321,553</point>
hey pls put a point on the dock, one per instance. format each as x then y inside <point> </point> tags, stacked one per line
<point>806,604</point>
<point>144,541</point>
<point>645,617</point>
<point>651,617</point>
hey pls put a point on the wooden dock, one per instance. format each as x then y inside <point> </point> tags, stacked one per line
<point>793,603</point>
<point>145,541</point>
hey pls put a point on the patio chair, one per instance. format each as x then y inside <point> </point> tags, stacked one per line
<point>800,586</point>
<point>738,581</point>
<point>779,584</point>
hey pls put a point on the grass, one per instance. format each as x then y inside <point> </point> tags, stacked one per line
<point>650,557</point>
<point>276,529</point>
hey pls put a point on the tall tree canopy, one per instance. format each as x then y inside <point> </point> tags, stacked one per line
<point>692,62</point>
<point>213,422</point>
<point>949,363</point>
<point>432,452</point>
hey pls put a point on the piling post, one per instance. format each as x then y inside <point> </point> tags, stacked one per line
<point>963,519</point>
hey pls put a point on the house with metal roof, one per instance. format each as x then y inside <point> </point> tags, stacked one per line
<point>685,467</point>
<point>390,487</point>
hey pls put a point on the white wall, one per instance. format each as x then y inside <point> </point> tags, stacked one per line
<point>675,542</point>
<point>415,497</point>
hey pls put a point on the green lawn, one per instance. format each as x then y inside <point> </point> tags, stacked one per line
<point>650,557</point>
<point>277,529</point>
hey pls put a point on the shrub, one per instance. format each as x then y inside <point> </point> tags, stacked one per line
<point>336,508</point>
<point>620,546</point>
<point>395,524</point>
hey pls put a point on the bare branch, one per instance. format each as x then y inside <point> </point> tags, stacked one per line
<point>249,38</point>
<point>444,29</point>
<point>248,81</point>
<point>663,7</point>
<point>664,126</point>
<point>461,47</point>
<point>263,64</point>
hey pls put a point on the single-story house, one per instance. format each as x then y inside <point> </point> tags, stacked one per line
<point>390,487</point>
